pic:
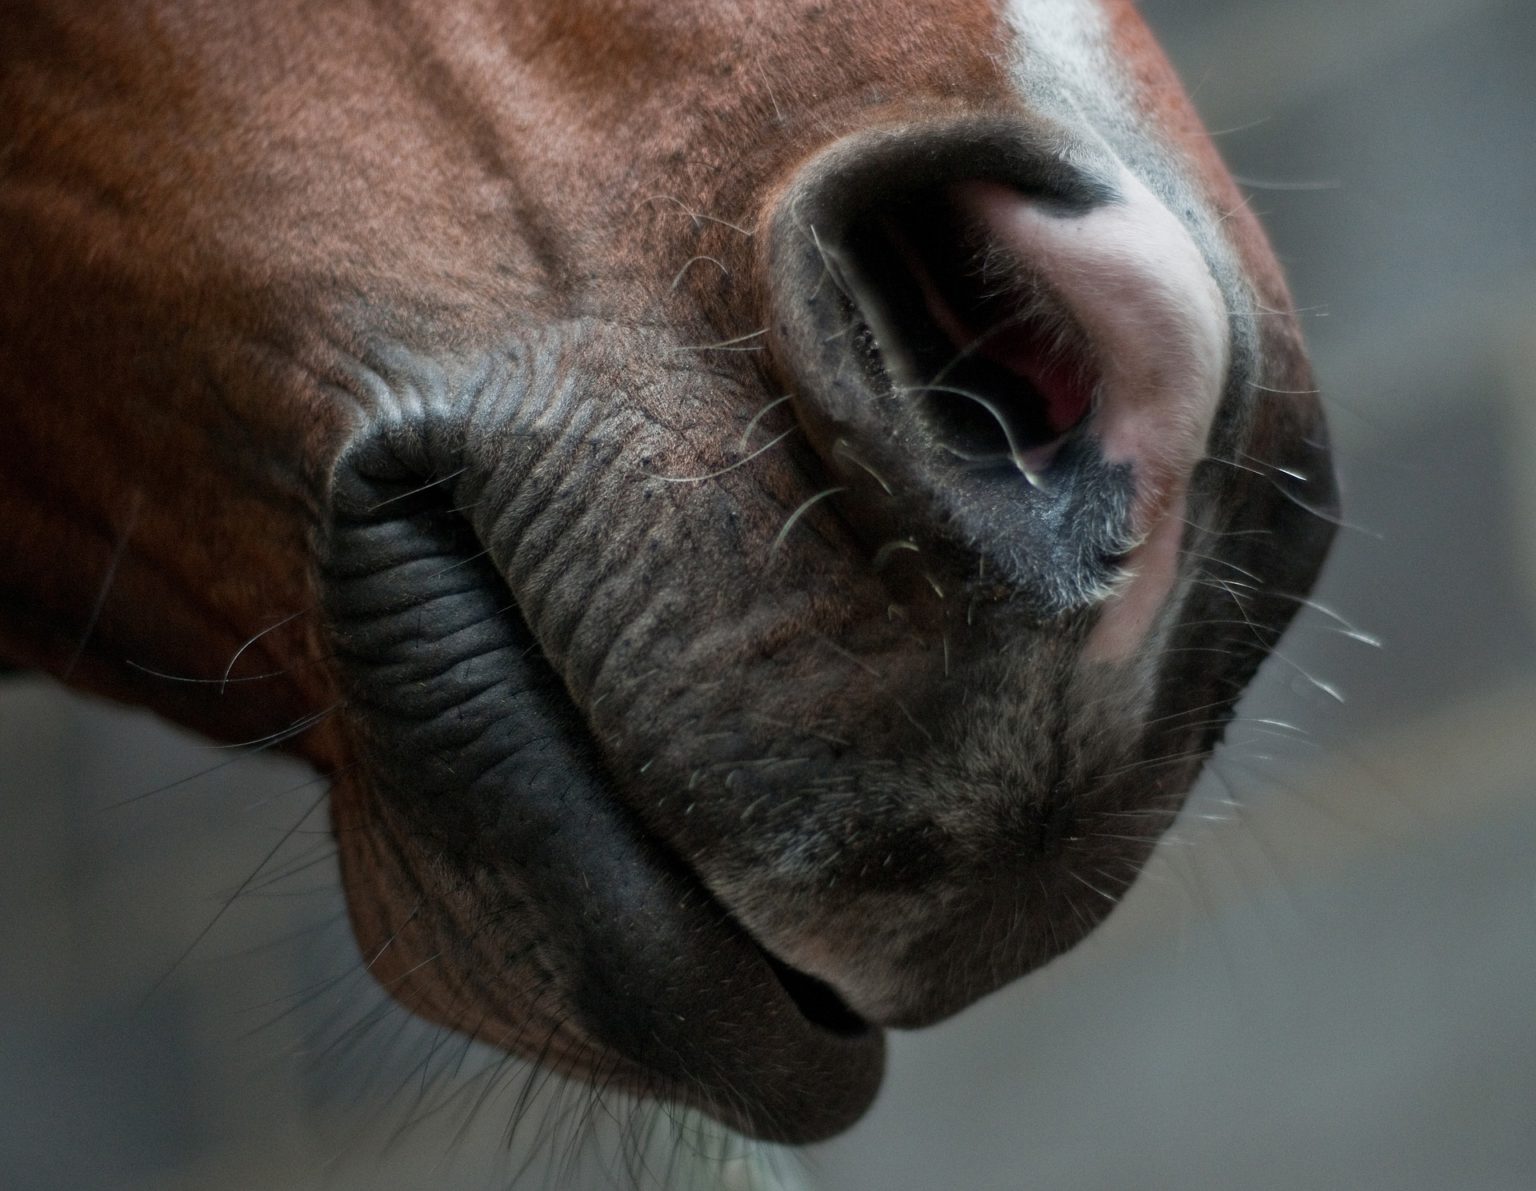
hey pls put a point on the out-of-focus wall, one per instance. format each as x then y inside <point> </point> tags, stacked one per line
<point>1328,977</point>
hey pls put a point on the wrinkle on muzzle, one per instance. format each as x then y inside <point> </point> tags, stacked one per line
<point>471,739</point>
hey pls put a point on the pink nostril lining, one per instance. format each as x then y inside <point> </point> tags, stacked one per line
<point>1062,379</point>
<point>1134,281</point>
<point>1031,344</point>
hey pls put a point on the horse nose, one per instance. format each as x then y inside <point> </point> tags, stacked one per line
<point>1006,351</point>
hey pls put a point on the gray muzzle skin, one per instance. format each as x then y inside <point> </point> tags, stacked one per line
<point>708,780</point>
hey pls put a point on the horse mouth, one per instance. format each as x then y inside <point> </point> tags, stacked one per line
<point>484,776</point>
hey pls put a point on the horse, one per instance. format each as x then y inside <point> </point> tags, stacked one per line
<point>760,511</point>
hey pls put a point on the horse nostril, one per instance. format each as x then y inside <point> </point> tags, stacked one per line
<point>986,351</point>
<point>1007,351</point>
<point>941,373</point>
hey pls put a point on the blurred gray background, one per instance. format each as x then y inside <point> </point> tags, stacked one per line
<point>1328,976</point>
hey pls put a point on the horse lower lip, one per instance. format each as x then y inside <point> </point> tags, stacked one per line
<point>670,981</point>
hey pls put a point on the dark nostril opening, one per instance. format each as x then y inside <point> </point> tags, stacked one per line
<point>970,333</point>
<point>937,371</point>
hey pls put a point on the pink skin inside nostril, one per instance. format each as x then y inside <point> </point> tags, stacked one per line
<point>1027,349</point>
<point>1140,290</point>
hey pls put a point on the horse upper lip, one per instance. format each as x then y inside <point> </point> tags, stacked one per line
<point>483,760</point>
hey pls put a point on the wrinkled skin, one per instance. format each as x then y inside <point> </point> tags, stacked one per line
<point>410,376</point>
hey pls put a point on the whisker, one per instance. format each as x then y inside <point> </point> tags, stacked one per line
<point>698,217</point>
<point>841,449</point>
<point>282,734</point>
<point>119,548</point>
<point>433,483</point>
<point>689,263</point>
<point>887,551</point>
<point>1015,456</point>
<point>219,682</point>
<point>298,728</point>
<point>244,885</point>
<point>746,435</point>
<point>795,517</point>
<point>292,616</point>
<point>726,344</point>
<point>762,450</point>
